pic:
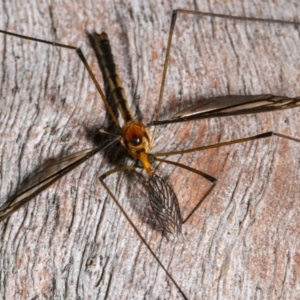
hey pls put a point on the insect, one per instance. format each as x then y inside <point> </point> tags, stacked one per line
<point>131,139</point>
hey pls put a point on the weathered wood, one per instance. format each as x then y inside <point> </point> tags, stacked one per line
<point>72,241</point>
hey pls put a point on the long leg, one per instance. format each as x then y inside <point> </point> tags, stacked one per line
<point>124,168</point>
<point>238,141</point>
<point>206,176</point>
<point>171,32</point>
<point>82,58</point>
<point>156,117</point>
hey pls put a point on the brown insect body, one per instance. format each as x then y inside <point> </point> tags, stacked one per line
<point>135,138</point>
<point>134,134</point>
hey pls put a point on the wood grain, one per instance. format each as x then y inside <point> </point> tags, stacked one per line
<point>71,241</point>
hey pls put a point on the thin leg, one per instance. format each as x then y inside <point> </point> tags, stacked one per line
<point>82,58</point>
<point>101,178</point>
<point>171,32</point>
<point>238,141</point>
<point>157,114</point>
<point>206,176</point>
<point>199,13</point>
<point>212,179</point>
<point>118,169</point>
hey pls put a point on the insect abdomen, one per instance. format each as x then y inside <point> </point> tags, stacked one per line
<point>111,77</point>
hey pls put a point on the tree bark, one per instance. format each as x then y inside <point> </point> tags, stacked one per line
<point>72,241</point>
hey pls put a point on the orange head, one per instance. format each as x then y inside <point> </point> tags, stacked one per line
<point>135,137</point>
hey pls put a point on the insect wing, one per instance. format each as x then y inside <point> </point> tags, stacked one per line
<point>42,179</point>
<point>236,104</point>
<point>232,105</point>
<point>164,205</point>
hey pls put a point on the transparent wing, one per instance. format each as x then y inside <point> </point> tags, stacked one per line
<point>232,105</point>
<point>42,179</point>
<point>164,205</point>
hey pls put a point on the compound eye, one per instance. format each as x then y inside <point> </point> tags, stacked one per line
<point>151,158</point>
<point>136,140</point>
<point>139,164</point>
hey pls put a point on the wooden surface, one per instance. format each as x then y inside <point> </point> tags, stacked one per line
<point>72,241</point>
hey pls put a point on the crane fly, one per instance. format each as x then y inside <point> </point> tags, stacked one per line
<point>136,137</point>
